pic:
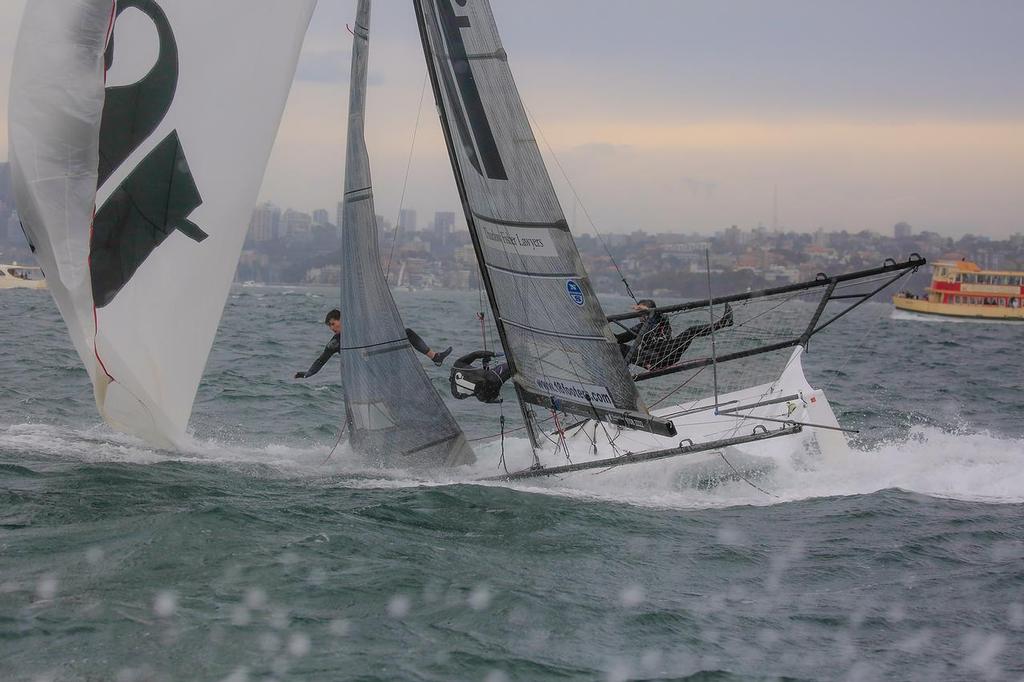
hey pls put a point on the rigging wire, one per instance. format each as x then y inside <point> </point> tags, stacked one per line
<point>480,315</point>
<point>746,480</point>
<point>711,316</point>
<point>336,444</point>
<point>405,182</point>
<point>502,459</point>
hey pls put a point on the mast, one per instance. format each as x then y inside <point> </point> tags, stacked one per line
<point>485,275</point>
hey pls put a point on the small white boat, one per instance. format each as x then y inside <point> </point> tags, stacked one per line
<point>16,276</point>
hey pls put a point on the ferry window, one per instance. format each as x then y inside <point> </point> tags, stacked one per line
<point>2,273</point>
<point>969,278</point>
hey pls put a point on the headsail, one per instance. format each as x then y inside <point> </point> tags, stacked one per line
<point>140,130</point>
<point>552,326</point>
<point>394,413</point>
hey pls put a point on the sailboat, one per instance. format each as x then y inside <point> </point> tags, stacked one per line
<point>568,367</point>
<point>400,283</point>
<point>123,186</point>
<point>137,148</point>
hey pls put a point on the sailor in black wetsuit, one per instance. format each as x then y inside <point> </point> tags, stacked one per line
<point>482,382</point>
<point>333,321</point>
<point>648,335</point>
<point>653,346</point>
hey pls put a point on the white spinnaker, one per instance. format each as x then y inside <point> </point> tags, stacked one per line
<point>145,346</point>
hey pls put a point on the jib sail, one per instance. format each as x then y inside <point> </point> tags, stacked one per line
<point>394,414</point>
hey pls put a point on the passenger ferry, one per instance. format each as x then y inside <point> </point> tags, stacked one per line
<point>16,276</point>
<point>962,289</point>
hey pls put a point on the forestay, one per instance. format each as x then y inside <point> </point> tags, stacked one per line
<point>394,414</point>
<point>552,326</point>
<point>139,133</point>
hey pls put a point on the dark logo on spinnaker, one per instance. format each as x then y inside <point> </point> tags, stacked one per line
<point>159,194</point>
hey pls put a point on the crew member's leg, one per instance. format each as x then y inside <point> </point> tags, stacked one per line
<point>420,345</point>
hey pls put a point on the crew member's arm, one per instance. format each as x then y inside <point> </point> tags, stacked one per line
<point>629,334</point>
<point>333,346</point>
<point>468,359</point>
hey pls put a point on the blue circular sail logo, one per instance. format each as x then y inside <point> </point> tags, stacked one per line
<point>574,291</point>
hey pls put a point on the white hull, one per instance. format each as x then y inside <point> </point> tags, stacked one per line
<point>12,283</point>
<point>699,423</point>
<point>10,279</point>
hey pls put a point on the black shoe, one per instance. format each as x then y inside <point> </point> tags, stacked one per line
<point>439,357</point>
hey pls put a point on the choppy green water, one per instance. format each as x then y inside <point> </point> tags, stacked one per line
<point>248,558</point>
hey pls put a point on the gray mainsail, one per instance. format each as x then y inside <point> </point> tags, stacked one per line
<point>554,332</point>
<point>394,414</point>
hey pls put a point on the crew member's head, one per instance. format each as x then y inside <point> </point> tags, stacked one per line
<point>333,320</point>
<point>643,305</point>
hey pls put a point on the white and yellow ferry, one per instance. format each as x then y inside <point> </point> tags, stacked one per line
<point>961,289</point>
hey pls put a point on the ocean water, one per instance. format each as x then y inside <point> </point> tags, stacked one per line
<point>257,554</point>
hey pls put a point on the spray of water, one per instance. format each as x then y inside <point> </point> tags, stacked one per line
<point>967,466</point>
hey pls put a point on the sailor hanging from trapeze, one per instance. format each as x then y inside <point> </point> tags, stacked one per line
<point>654,346</point>
<point>483,382</point>
<point>333,322</point>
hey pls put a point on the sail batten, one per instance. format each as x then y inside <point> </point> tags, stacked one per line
<point>394,414</point>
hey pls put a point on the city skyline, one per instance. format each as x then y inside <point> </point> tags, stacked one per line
<point>692,117</point>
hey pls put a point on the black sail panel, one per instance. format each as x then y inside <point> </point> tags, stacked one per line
<point>394,414</point>
<point>553,328</point>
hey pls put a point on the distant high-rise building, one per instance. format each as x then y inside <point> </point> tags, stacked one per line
<point>902,230</point>
<point>407,221</point>
<point>5,212</point>
<point>820,238</point>
<point>340,212</point>
<point>444,224</point>
<point>6,195</point>
<point>6,199</point>
<point>320,217</point>
<point>265,223</point>
<point>296,223</point>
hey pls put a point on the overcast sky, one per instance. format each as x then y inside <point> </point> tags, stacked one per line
<point>678,115</point>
